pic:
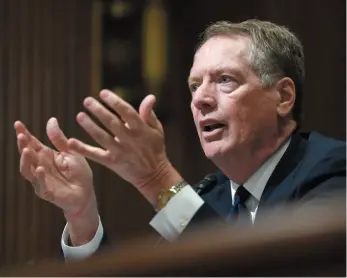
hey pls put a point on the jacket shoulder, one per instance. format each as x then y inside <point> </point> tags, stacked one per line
<point>323,164</point>
<point>324,153</point>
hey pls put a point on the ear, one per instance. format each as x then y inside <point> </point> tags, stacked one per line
<point>286,90</point>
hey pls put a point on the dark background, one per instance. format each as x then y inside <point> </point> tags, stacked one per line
<point>47,49</point>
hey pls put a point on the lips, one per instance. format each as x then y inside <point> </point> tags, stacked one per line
<point>212,127</point>
<point>208,125</point>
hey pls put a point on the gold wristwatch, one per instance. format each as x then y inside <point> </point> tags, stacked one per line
<point>166,194</point>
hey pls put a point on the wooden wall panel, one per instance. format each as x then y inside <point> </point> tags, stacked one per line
<point>45,65</point>
<point>45,71</point>
<point>2,123</point>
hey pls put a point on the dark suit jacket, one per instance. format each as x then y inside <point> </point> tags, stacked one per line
<point>312,168</point>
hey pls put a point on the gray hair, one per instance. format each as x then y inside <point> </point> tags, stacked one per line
<point>275,52</point>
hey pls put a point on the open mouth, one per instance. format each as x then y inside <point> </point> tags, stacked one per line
<point>212,127</point>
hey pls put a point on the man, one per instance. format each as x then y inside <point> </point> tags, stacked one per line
<point>246,83</point>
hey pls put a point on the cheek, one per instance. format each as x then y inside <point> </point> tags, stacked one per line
<point>237,113</point>
<point>195,114</point>
<point>242,118</point>
<point>240,124</point>
<point>266,112</point>
<point>257,116</point>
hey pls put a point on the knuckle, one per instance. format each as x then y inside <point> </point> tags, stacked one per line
<point>101,137</point>
<point>24,172</point>
<point>48,195</point>
<point>112,122</point>
<point>98,110</point>
<point>116,104</point>
<point>127,110</point>
<point>96,134</point>
<point>113,156</point>
<point>136,132</point>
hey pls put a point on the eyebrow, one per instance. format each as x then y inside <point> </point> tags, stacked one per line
<point>217,70</point>
<point>191,79</point>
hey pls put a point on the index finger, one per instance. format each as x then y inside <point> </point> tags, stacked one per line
<point>127,113</point>
<point>33,142</point>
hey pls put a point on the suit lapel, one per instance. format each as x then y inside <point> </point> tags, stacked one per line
<point>219,198</point>
<point>277,185</point>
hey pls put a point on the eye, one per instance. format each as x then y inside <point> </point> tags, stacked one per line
<point>193,87</point>
<point>225,79</point>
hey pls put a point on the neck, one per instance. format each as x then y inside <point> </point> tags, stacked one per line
<point>239,167</point>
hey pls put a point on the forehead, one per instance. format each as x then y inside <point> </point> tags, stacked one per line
<point>219,52</point>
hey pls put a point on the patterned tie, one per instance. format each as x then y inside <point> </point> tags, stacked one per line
<point>239,212</point>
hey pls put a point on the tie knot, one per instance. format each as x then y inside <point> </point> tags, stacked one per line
<point>241,195</point>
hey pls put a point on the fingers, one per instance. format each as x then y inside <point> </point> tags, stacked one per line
<point>122,108</point>
<point>41,186</point>
<point>60,161</point>
<point>146,111</point>
<point>97,133</point>
<point>56,135</point>
<point>28,162</point>
<point>98,155</point>
<point>109,120</point>
<point>22,142</point>
<point>19,127</point>
<point>27,140</point>
<point>38,181</point>
<point>35,175</point>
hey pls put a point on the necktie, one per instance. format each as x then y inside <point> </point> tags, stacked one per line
<point>239,212</point>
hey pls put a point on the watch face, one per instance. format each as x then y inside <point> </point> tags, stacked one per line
<point>164,198</point>
<point>166,195</point>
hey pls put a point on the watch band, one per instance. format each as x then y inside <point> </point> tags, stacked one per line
<point>166,194</point>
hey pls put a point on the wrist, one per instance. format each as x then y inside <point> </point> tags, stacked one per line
<point>83,224</point>
<point>166,194</point>
<point>166,177</point>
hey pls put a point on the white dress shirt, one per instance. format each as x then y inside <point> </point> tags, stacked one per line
<point>176,215</point>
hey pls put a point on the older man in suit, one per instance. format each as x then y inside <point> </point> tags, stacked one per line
<point>246,84</point>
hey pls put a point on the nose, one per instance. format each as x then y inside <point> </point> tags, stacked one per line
<point>204,98</point>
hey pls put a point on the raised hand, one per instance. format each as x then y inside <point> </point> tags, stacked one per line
<point>61,177</point>
<point>133,147</point>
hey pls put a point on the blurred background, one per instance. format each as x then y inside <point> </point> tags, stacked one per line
<point>54,53</point>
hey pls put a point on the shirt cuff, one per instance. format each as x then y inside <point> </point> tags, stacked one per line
<point>171,220</point>
<point>82,251</point>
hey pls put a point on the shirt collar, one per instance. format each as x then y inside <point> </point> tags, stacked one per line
<point>257,182</point>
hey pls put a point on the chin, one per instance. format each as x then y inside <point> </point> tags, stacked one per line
<point>214,150</point>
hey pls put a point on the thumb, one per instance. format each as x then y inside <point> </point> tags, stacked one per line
<point>56,135</point>
<point>146,111</point>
